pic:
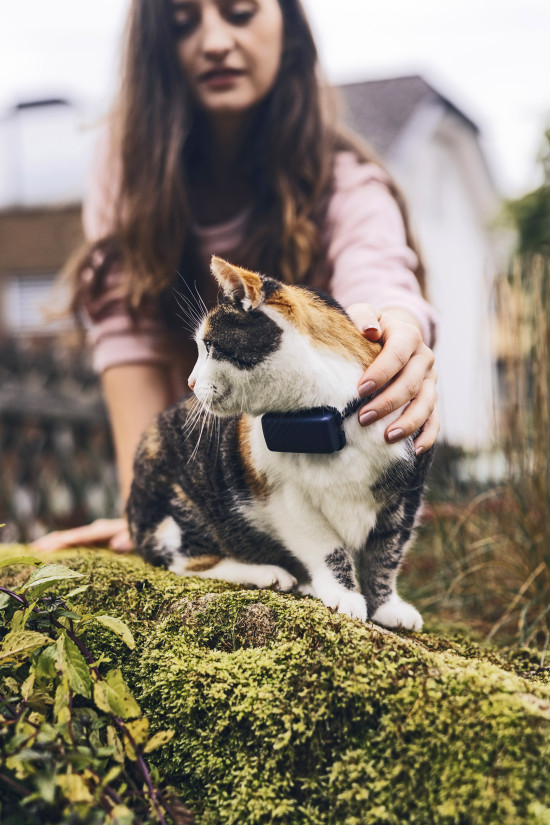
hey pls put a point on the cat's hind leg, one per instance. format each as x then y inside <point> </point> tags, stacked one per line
<point>169,540</point>
<point>238,572</point>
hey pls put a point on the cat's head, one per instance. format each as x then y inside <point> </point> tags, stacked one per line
<point>269,346</point>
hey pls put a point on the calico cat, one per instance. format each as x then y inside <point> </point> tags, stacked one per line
<point>224,506</point>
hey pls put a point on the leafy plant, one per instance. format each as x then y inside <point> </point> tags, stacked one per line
<point>73,740</point>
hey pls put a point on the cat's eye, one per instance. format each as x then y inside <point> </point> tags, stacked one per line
<point>208,345</point>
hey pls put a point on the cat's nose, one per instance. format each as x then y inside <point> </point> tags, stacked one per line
<point>191,381</point>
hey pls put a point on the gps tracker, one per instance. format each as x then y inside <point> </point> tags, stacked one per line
<point>318,430</point>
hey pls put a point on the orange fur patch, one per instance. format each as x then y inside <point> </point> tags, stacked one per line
<point>197,564</point>
<point>257,482</point>
<point>235,279</point>
<point>326,327</point>
<point>180,493</point>
<point>151,442</point>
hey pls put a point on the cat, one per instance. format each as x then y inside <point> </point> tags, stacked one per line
<point>224,506</point>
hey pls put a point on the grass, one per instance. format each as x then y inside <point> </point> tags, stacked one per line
<point>484,556</point>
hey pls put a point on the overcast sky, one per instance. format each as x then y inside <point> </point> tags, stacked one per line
<point>490,57</point>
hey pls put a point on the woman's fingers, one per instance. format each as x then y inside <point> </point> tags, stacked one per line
<point>415,417</point>
<point>404,387</point>
<point>420,412</point>
<point>101,531</point>
<point>402,375</point>
<point>367,319</point>
<point>400,341</point>
<point>121,542</point>
<point>428,433</point>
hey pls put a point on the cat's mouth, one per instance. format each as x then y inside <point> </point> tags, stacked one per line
<point>216,399</point>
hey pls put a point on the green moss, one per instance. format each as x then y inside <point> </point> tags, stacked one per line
<point>287,713</point>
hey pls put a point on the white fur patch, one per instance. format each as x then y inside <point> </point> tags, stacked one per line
<point>168,535</point>
<point>259,575</point>
<point>397,613</point>
<point>168,538</point>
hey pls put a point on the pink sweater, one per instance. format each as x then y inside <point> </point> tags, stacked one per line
<point>370,262</point>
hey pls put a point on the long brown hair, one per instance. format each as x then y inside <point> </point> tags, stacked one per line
<point>289,156</point>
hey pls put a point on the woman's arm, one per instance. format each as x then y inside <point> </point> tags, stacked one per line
<point>373,277</point>
<point>134,394</point>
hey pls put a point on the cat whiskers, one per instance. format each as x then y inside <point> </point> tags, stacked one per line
<point>200,411</point>
<point>193,416</point>
<point>193,307</point>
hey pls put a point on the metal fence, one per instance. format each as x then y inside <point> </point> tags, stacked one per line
<point>56,456</point>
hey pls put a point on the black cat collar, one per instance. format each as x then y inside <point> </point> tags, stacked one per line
<point>318,430</point>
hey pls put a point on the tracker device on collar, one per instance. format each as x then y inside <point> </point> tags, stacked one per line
<point>318,430</point>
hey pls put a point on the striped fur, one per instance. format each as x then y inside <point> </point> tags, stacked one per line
<point>208,497</point>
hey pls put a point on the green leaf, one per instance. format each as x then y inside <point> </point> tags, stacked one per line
<point>19,644</point>
<point>113,696</point>
<point>120,815</point>
<point>45,784</point>
<point>68,614</point>
<point>45,666</point>
<point>26,613</point>
<point>17,621</point>
<point>119,627</point>
<point>113,740</point>
<point>46,575</point>
<point>28,684</point>
<point>78,590</point>
<point>74,788</point>
<point>5,600</point>
<point>139,731</point>
<point>73,665</point>
<point>158,740</point>
<point>62,697</point>
<point>19,560</point>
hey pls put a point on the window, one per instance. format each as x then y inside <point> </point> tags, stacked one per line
<point>29,304</point>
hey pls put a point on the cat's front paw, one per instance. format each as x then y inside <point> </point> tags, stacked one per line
<point>349,602</point>
<point>397,613</point>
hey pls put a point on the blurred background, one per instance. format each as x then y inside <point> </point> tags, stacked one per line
<point>455,98</point>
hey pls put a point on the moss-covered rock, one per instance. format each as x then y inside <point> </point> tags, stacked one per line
<point>287,713</point>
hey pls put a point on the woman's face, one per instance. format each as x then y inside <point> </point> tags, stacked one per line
<point>229,50</point>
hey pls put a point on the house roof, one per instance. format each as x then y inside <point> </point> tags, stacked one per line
<point>380,110</point>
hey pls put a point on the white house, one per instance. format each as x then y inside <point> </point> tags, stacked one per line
<point>432,149</point>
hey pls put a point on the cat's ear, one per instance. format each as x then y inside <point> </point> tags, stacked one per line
<point>237,282</point>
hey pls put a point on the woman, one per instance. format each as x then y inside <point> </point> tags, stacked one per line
<point>220,144</point>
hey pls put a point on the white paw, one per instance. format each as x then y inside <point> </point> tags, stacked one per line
<point>269,575</point>
<point>350,602</point>
<point>306,590</point>
<point>397,613</point>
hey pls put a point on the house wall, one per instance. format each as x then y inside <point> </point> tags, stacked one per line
<point>34,245</point>
<point>452,199</point>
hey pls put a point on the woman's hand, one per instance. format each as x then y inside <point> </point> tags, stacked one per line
<point>406,366</point>
<point>109,532</point>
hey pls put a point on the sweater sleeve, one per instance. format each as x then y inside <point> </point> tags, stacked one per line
<point>367,248</point>
<point>114,337</point>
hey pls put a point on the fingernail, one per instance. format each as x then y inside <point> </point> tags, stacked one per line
<point>395,435</point>
<point>419,450</point>
<point>366,388</point>
<point>368,417</point>
<point>376,330</point>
